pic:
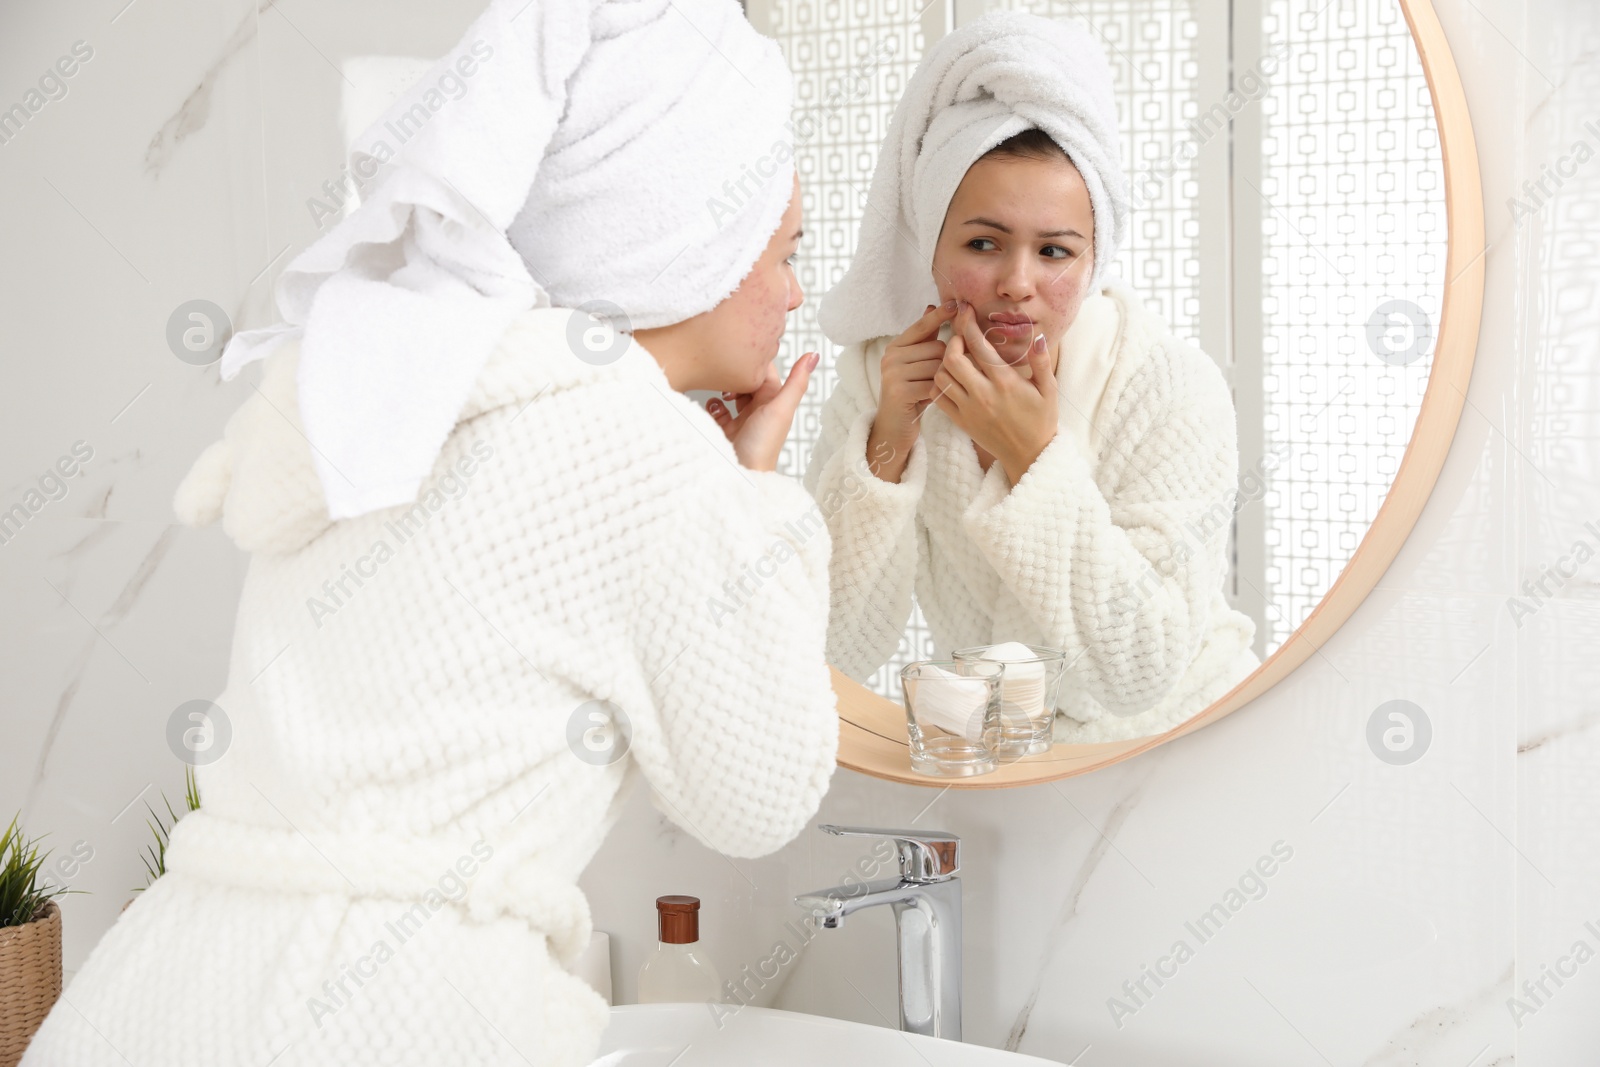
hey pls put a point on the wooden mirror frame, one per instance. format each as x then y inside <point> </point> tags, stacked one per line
<point>872,729</point>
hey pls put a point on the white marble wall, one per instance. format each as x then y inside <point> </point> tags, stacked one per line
<point>175,167</point>
<point>1417,899</point>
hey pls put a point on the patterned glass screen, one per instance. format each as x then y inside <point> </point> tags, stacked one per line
<point>851,60</point>
<point>1354,238</point>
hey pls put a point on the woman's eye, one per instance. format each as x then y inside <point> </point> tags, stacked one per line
<point>792,257</point>
<point>1065,253</point>
<point>972,243</point>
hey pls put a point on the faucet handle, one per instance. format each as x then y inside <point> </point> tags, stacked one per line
<point>925,855</point>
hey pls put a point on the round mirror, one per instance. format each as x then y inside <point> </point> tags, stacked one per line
<point>1307,215</point>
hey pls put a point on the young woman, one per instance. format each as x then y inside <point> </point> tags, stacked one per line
<point>436,703</point>
<point>1036,455</point>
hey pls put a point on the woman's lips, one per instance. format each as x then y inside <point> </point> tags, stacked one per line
<point>1009,331</point>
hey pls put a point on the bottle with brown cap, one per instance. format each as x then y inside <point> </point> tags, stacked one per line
<point>678,971</point>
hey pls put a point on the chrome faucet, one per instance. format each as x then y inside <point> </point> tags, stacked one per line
<point>927,915</point>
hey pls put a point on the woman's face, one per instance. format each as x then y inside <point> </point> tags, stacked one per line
<point>739,337</point>
<point>1018,245</point>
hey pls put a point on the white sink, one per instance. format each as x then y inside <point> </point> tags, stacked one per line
<point>690,1035</point>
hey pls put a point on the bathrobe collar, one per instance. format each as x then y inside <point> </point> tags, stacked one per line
<point>259,479</point>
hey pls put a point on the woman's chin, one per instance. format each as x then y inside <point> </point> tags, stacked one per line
<point>748,382</point>
<point>1014,352</point>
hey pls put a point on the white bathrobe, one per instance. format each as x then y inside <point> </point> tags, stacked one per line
<point>384,867</point>
<point>1112,546</point>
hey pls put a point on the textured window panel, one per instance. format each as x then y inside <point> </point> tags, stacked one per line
<point>1565,223</point>
<point>1560,207</point>
<point>1354,237</point>
<point>1154,67</point>
<point>1556,215</point>
<point>851,60</point>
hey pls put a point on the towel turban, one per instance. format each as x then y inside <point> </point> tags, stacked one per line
<point>632,157</point>
<point>996,76</point>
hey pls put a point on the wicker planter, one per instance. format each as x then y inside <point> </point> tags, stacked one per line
<point>30,979</point>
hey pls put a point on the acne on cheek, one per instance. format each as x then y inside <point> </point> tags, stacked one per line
<point>962,284</point>
<point>1060,301</point>
<point>973,285</point>
<point>765,315</point>
<point>1065,293</point>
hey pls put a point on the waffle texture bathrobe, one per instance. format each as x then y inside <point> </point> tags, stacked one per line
<point>426,711</point>
<point>1112,546</point>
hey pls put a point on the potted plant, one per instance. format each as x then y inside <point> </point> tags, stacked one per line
<point>30,943</point>
<point>155,857</point>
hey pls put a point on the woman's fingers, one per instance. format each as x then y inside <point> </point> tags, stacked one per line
<point>954,370</point>
<point>779,394</point>
<point>933,349</point>
<point>770,384</point>
<point>724,419</point>
<point>783,403</point>
<point>928,325</point>
<point>921,360</point>
<point>948,392</point>
<point>958,362</point>
<point>799,377</point>
<point>762,426</point>
<point>977,343</point>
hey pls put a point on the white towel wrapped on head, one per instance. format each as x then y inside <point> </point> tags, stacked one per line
<point>587,152</point>
<point>989,80</point>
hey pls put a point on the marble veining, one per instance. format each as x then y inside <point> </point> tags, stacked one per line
<point>195,111</point>
<point>1069,908</point>
<point>120,606</point>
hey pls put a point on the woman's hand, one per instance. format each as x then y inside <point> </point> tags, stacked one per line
<point>1011,417</point>
<point>907,370</point>
<point>757,433</point>
<point>909,364</point>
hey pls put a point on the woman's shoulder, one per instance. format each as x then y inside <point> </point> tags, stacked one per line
<point>859,368</point>
<point>1156,367</point>
<point>614,427</point>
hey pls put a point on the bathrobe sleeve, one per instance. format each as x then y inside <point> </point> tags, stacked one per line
<point>872,523</point>
<point>1121,577</point>
<point>731,606</point>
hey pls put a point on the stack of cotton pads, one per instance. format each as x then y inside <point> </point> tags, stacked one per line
<point>955,703</point>
<point>1022,688</point>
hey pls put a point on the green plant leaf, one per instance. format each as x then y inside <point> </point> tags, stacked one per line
<point>22,895</point>
<point>155,857</point>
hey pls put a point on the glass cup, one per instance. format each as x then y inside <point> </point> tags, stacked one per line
<point>1028,693</point>
<point>953,715</point>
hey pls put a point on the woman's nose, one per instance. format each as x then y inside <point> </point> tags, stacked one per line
<point>1014,282</point>
<point>797,295</point>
